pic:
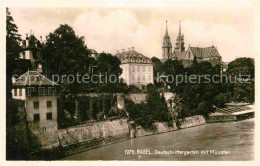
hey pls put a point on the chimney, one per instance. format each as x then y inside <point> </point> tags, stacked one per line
<point>123,50</point>
<point>133,48</point>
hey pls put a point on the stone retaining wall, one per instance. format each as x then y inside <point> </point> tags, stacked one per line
<point>79,138</point>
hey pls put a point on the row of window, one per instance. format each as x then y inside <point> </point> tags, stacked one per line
<point>141,68</point>
<point>36,117</point>
<point>36,104</point>
<point>141,78</point>
<point>18,90</point>
<point>40,91</point>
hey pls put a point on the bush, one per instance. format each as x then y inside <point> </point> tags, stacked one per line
<point>220,100</point>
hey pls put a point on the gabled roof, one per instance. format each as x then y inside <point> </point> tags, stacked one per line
<point>33,78</point>
<point>206,52</point>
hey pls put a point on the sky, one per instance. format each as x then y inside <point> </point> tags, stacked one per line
<point>231,30</point>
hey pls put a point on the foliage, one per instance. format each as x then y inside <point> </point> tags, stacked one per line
<point>102,106</point>
<point>13,49</point>
<point>154,110</point>
<point>244,66</point>
<point>20,143</point>
<point>108,64</point>
<point>15,113</point>
<point>220,100</point>
<point>139,114</point>
<point>242,91</point>
<point>66,51</point>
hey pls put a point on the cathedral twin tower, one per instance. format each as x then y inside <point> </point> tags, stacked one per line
<point>167,45</point>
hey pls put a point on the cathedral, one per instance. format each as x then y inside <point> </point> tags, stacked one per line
<point>209,54</point>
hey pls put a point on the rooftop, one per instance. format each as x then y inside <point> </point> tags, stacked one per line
<point>205,52</point>
<point>132,56</point>
<point>33,78</point>
<point>233,110</point>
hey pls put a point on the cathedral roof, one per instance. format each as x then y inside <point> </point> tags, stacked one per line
<point>132,56</point>
<point>33,78</point>
<point>206,52</point>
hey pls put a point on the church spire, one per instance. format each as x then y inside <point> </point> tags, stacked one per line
<point>167,45</point>
<point>179,28</point>
<point>166,32</point>
<point>180,41</point>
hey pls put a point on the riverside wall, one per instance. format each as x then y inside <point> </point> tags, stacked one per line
<point>84,137</point>
<point>166,127</point>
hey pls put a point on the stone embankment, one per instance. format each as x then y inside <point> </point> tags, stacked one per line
<point>84,137</point>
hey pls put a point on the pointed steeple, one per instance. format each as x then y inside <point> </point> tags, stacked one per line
<point>167,45</point>
<point>166,32</point>
<point>180,41</point>
<point>179,28</point>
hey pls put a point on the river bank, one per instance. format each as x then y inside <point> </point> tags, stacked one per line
<point>81,138</point>
<point>235,138</point>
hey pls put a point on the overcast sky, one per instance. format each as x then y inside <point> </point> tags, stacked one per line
<point>231,30</point>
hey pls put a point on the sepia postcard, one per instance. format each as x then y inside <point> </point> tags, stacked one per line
<point>129,82</point>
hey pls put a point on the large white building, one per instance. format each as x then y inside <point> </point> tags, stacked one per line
<point>137,68</point>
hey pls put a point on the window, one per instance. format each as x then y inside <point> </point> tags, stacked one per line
<point>36,117</point>
<point>41,91</point>
<point>49,104</point>
<point>149,68</point>
<point>144,68</point>
<point>15,92</point>
<point>36,104</point>
<point>138,78</point>
<point>29,91</point>
<point>51,91</point>
<point>149,78</point>
<point>138,68</point>
<point>49,116</point>
<point>20,92</point>
<point>143,77</point>
<point>133,78</point>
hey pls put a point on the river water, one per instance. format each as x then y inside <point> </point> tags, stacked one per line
<point>231,140</point>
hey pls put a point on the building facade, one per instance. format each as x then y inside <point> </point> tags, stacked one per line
<point>40,96</point>
<point>137,68</point>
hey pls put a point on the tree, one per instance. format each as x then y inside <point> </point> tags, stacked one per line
<point>67,52</point>
<point>204,108</point>
<point>157,65</point>
<point>243,66</point>
<point>242,91</point>
<point>220,100</point>
<point>108,68</point>
<point>13,49</point>
<point>108,64</point>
